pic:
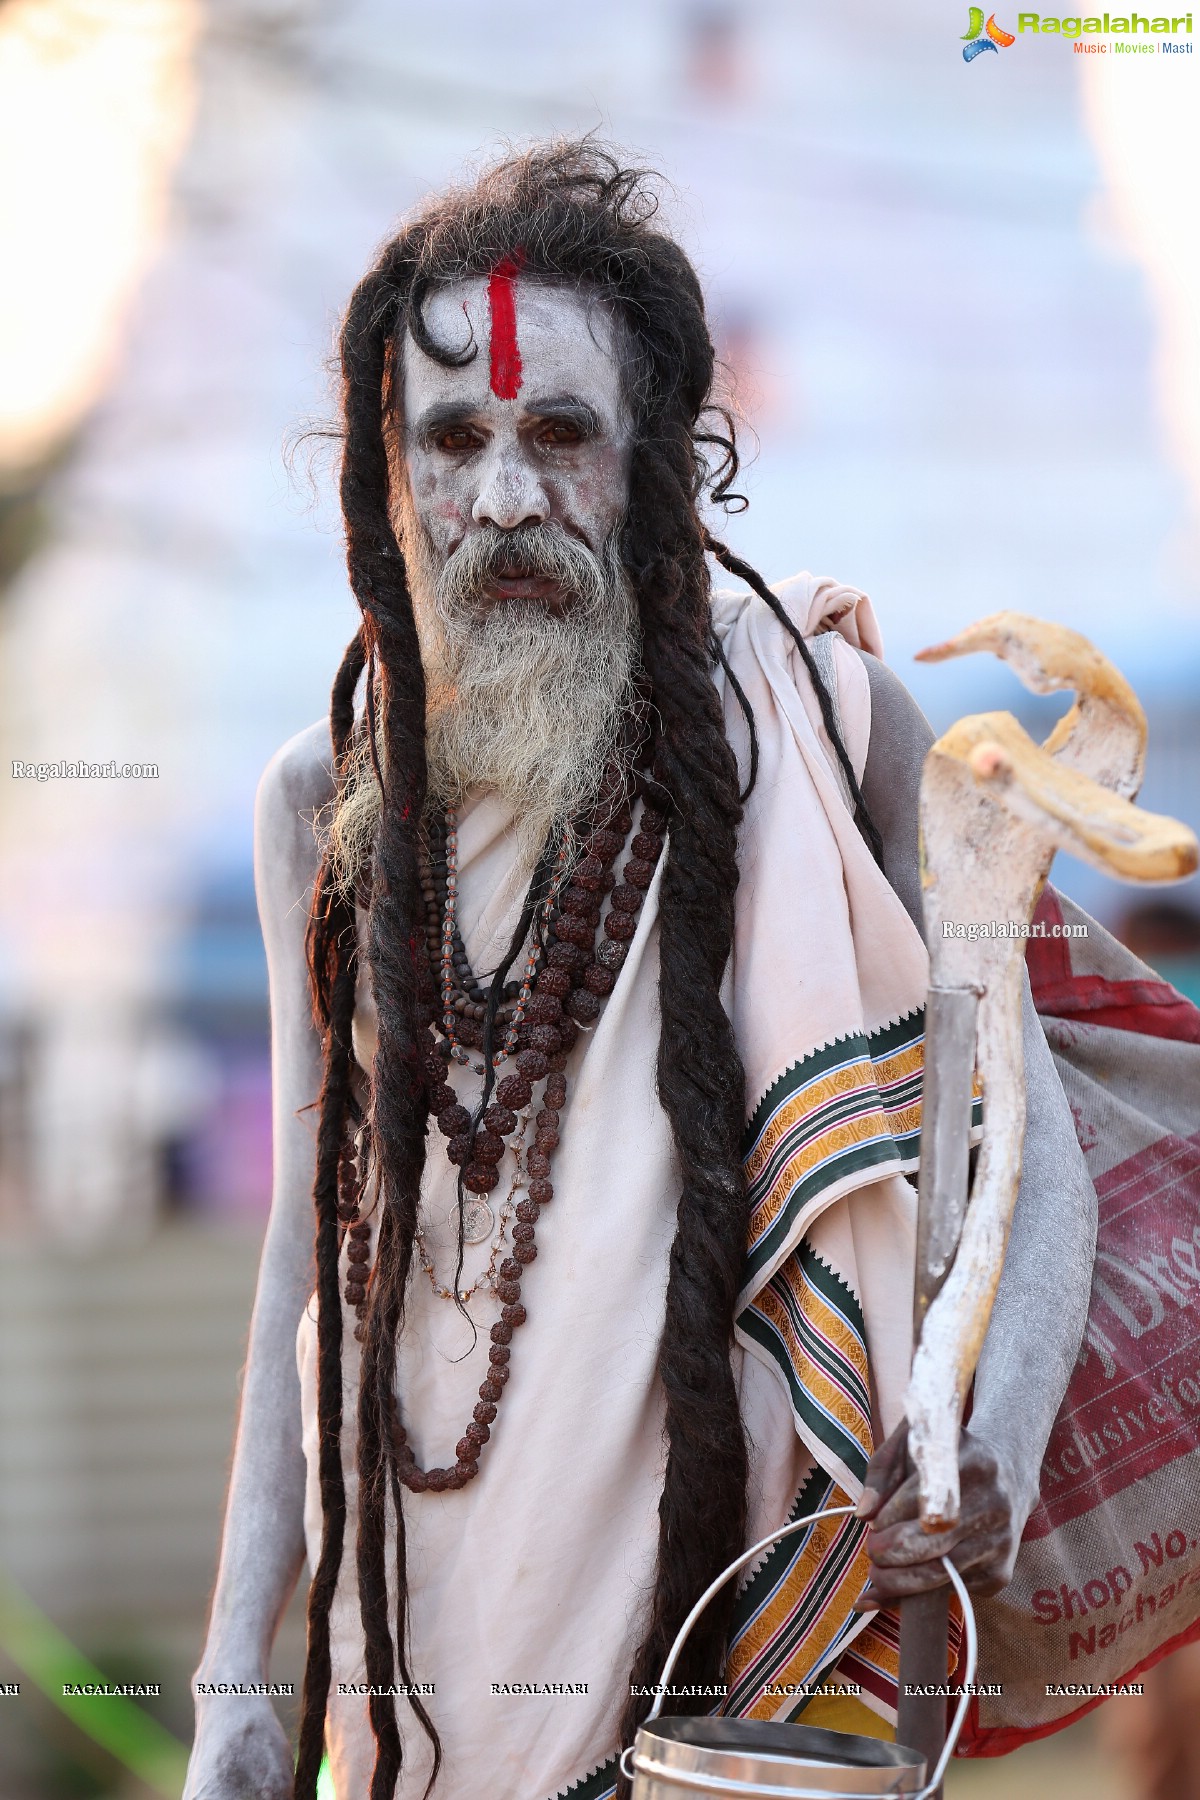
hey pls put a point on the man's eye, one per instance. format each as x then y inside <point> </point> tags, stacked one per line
<point>458,438</point>
<point>560,431</point>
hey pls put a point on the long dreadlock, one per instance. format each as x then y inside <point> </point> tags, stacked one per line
<point>570,212</point>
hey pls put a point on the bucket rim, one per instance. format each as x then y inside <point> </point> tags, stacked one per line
<point>715,1786</point>
<point>778,1737</point>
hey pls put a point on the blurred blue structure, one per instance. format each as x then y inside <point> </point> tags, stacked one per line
<point>953,366</point>
<point>948,366</point>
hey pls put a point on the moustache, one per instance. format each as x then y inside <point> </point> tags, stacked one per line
<point>542,552</point>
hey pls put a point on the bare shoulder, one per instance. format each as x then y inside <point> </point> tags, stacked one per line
<point>299,776</point>
<point>295,784</point>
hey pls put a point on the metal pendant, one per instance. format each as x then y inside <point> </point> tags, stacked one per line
<point>479,1221</point>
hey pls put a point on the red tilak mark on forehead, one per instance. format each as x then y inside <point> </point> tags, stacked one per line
<point>506,354</point>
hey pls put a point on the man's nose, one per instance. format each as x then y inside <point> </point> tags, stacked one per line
<point>512,494</point>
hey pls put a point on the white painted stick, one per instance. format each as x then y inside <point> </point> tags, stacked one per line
<point>994,808</point>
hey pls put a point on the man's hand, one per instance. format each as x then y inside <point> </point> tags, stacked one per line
<point>982,1546</point>
<point>240,1751</point>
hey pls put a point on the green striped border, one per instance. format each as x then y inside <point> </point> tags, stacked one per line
<point>900,1149</point>
<point>758,1588</point>
<point>773,1573</point>
<point>887,1146</point>
<point>857,1046</point>
<point>842,1299</point>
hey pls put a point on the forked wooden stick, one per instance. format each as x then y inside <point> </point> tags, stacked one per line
<point>994,808</point>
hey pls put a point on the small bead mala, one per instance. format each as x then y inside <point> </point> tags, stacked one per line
<point>351,1176</point>
<point>564,990</point>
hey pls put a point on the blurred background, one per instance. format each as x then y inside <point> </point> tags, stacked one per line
<point>960,306</point>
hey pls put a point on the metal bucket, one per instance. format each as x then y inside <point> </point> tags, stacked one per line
<point>678,1759</point>
<point>757,1759</point>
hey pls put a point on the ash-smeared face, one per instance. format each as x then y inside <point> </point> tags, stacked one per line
<point>509,505</point>
<point>533,432</point>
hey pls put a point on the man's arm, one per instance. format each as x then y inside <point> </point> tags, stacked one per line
<point>1042,1302</point>
<point>240,1748</point>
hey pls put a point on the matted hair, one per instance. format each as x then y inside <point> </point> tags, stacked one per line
<point>571,212</point>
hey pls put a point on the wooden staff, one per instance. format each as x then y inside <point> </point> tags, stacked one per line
<point>994,808</point>
<point>950,1015</point>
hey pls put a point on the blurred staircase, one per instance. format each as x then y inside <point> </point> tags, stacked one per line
<point>119,1379</point>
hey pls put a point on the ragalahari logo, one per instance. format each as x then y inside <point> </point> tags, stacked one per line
<point>980,37</point>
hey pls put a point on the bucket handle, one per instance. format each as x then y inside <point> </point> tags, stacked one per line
<point>775,1537</point>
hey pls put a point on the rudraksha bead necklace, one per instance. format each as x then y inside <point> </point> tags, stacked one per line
<point>463,999</point>
<point>478,1223</point>
<point>566,991</point>
<point>351,1177</point>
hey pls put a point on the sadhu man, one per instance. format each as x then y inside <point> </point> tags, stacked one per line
<point>613,926</point>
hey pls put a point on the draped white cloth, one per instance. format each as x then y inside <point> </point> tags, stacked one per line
<point>539,1571</point>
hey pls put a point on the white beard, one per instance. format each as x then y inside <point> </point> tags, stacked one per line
<point>522,702</point>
